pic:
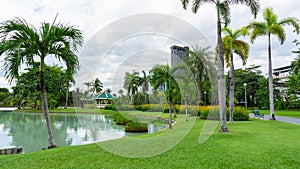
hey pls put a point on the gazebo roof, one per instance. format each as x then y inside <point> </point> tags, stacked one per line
<point>104,96</point>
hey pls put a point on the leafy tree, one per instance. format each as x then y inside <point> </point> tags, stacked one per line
<point>250,75</point>
<point>223,13</point>
<point>231,44</point>
<point>271,26</point>
<point>21,43</point>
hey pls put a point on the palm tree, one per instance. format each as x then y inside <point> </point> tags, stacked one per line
<point>131,83</point>
<point>68,78</point>
<point>197,60</point>
<point>21,43</point>
<point>223,11</point>
<point>88,85</point>
<point>162,75</point>
<point>270,26</point>
<point>231,44</point>
<point>97,86</point>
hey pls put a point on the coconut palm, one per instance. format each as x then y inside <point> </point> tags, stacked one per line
<point>223,13</point>
<point>271,26</point>
<point>21,43</point>
<point>162,75</point>
<point>231,44</point>
<point>131,83</point>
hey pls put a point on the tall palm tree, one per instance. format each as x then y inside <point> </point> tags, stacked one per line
<point>197,60</point>
<point>131,83</point>
<point>223,13</point>
<point>271,25</point>
<point>162,75</point>
<point>21,43</point>
<point>231,44</point>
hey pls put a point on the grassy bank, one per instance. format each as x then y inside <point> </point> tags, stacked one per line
<point>68,110</point>
<point>250,144</point>
<point>290,113</point>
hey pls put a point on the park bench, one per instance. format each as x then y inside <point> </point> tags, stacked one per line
<point>15,150</point>
<point>257,114</point>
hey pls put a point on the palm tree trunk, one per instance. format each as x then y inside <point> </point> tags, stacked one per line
<point>200,92</point>
<point>231,89</point>
<point>174,110</point>
<point>221,78</point>
<point>271,95</point>
<point>67,96</point>
<point>186,109</point>
<point>131,96</point>
<point>170,112</point>
<point>45,107</point>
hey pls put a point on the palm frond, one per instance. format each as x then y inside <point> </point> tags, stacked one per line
<point>278,31</point>
<point>252,4</point>
<point>241,48</point>
<point>269,16</point>
<point>292,21</point>
<point>224,11</point>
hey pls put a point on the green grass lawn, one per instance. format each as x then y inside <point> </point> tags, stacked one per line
<point>290,113</point>
<point>250,144</point>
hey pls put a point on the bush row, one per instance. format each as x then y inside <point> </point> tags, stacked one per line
<point>212,113</point>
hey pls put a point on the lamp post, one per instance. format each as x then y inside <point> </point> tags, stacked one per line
<point>245,87</point>
<point>205,98</point>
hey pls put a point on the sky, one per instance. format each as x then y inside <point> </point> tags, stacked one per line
<point>125,35</point>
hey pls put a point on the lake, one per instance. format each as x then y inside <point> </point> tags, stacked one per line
<point>29,129</point>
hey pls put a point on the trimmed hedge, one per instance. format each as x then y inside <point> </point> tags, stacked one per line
<point>212,113</point>
<point>136,127</point>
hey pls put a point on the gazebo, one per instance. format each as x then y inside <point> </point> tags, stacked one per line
<point>103,99</point>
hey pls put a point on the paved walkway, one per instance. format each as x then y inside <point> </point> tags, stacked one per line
<point>286,119</point>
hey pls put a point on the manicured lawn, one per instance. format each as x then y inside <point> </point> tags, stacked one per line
<point>250,144</point>
<point>290,113</point>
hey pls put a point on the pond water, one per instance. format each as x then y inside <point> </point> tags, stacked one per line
<point>29,129</point>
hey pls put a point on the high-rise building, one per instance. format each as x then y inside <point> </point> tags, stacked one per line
<point>177,54</point>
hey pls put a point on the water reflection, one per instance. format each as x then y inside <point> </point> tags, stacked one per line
<point>29,130</point>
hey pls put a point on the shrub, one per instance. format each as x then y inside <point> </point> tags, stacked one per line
<point>239,114</point>
<point>110,107</point>
<point>209,112</point>
<point>212,113</point>
<point>121,120</point>
<point>52,104</point>
<point>136,127</point>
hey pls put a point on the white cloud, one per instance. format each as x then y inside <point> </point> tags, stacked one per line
<point>93,15</point>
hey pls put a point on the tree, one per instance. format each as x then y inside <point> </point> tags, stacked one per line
<point>131,83</point>
<point>271,26</point>
<point>231,44</point>
<point>197,60</point>
<point>223,13</point>
<point>21,43</point>
<point>162,75</point>
<point>97,86</point>
<point>88,85</point>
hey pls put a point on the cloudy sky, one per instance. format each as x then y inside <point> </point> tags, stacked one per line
<point>126,35</point>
